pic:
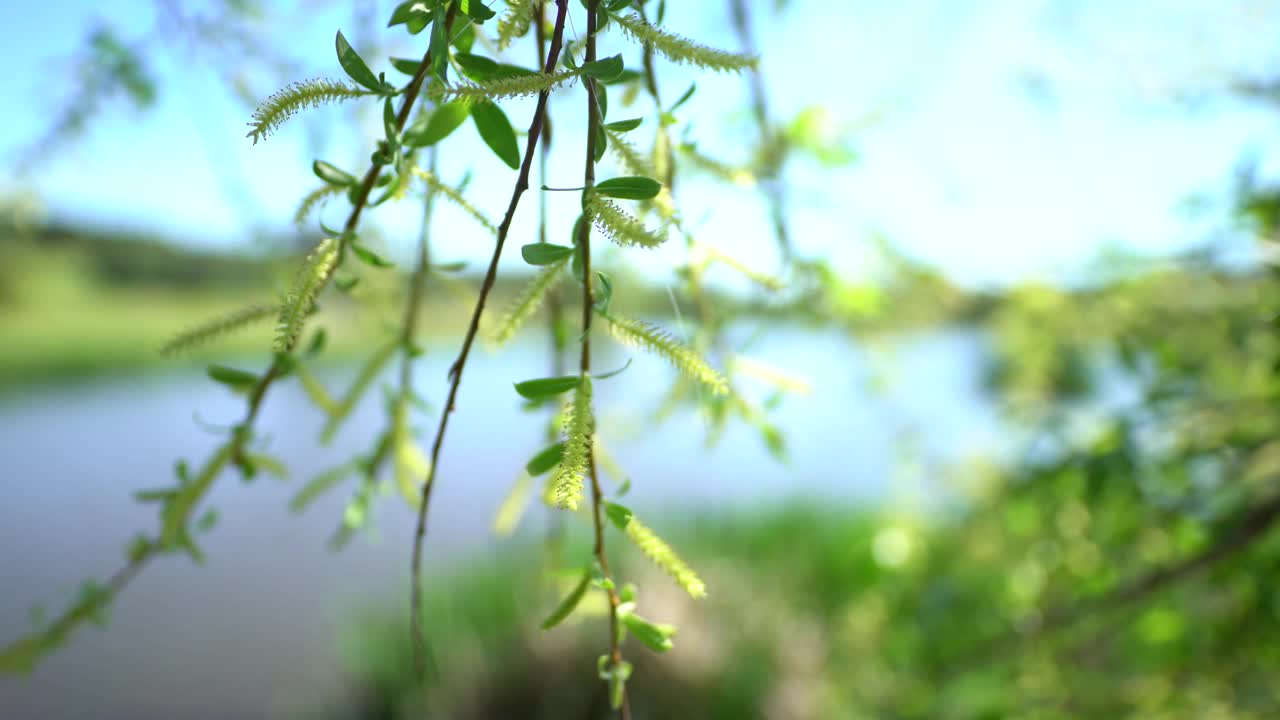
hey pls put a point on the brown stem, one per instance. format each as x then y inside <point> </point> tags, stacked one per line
<point>555,308</point>
<point>584,363</point>
<point>455,371</point>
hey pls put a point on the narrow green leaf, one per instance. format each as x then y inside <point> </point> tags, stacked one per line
<point>611,373</point>
<point>317,485</point>
<point>332,174</point>
<point>569,603</point>
<point>465,38</point>
<point>544,253</point>
<point>496,131</point>
<point>482,69</point>
<point>389,129</point>
<point>439,51</point>
<point>546,459</point>
<point>547,387</point>
<point>604,70</point>
<point>345,282</point>
<point>629,188</point>
<point>624,125</point>
<point>619,515</point>
<point>605,294</point>
<point>475,10</point>
<point>207,520</point>
<point>618,677</point>
<point>656,636</point>
<point>684,98</point>
<point>443,121</point>
<point>370,257</point>
<point>413,14</point>
<point>150,496</point>
<point>232,377</point>
<point>355,66</point>
<point>602,142</point>
<point>406,66</point>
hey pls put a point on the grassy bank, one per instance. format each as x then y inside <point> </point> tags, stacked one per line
<point>821,612</point>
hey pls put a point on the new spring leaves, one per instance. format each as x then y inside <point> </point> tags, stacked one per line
<point>480,83</point>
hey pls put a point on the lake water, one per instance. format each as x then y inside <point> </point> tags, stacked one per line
<point>252,632</point>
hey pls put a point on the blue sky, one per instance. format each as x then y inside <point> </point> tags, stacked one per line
<point>999,140</point>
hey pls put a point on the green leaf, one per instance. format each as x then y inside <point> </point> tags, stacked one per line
<point>414,14</point>
<point>345,282</point>
<point>332,174</point>
<point>619,515</point>
<point>482,69</point>
<point>150,496</point>
<point>546,459</point>
<point>389,121</point>
<point>207,520</point>
<point>406,66</point>
<point>443,121</point>
<point>605,293</point>
<point>569,603</point>
<point>370,257</point>
<point>465,38</point>
<point>602,137</point>
<point>656,636</point>
<point>684,98</point>
<point>232,377</point>
<point>475,10</point>
<point>354,65</point>
<point>439,52</point>
<point>612,373</point>
<point>604,70</point>
<point>617,677</point>
<point>544,253</point>
<point>629,188</point>
<point>547,387</point>
<point>476,67</point>
<point>495,129</point>
<point>318,341</point>
<point>317,485</point>
<point>624,125</point>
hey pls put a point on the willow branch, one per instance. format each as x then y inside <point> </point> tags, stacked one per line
<point>455,371</point>
<point>584,362</point>
<point>555,308</point>
<point>29,646</point>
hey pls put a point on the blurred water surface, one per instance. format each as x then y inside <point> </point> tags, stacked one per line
<point>251,633</point>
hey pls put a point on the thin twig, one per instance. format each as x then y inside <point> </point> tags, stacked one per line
<point>584,363</point>
<point>554,538</point>
<point>455,371</point>
<point>773,183</point>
